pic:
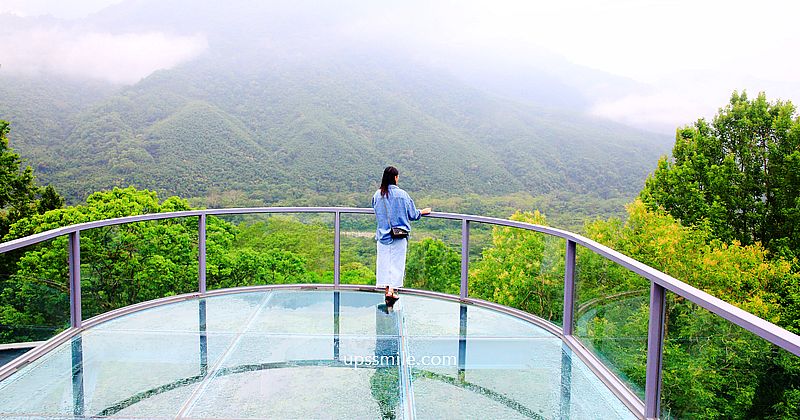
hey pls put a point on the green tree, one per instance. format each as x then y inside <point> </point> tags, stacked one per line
<point>313,240</point>
<point>19,194</point>
<point>522,269</point>
<point>120,265</point>
<point>250,267</point>
<point>129,263</point>
<point>432,265</point>
<point>19,198</point>
<point>740,175</point>
<point>712,368</point>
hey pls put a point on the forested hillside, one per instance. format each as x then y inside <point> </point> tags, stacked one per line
<point>42,109</point>
<point>280,114</point>
<point>276,131</point>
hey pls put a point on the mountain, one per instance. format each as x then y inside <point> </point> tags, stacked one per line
<point>314,28</point>
<point>282,113</point>
<point>41,109</point>
<point>327,126</point>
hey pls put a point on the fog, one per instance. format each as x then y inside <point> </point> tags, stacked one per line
<point>651,64</point>
<point>117,58</point>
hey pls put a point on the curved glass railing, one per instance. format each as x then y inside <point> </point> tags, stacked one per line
<point>338,352</point>
<point>571,296</point>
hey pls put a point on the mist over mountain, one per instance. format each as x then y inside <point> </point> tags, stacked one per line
<point>313,28</point>
<point>276,109</point>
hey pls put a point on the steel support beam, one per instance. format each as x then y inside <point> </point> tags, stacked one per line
<point>74,252</point>
<point>201,254</point>
<point>569,289</point>
<point>655,352</point>
<point>336,250</point>
<point>464,290</point>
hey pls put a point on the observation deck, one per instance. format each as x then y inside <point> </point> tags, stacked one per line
<point>290,353</point>
<point>335,350</point>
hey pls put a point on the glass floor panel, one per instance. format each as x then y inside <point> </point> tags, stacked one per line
<point>301,354</point>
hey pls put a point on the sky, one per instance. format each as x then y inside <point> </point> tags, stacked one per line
<point>686,56</point>
<point>689,55</point>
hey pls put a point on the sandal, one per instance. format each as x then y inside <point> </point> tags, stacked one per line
<point>390,300</point>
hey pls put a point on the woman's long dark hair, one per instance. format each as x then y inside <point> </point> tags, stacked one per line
<point>388,179</point>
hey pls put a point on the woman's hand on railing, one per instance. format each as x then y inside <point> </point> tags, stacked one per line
<point>426,210</point>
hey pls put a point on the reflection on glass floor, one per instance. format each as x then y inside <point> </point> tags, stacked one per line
<point>300,354</point>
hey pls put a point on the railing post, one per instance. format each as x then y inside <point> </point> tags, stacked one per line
<point>569,289</point>
<point>464,290</point>
<point>655,351</point>
<point>202,324</point>
<point>566,382</point>
<point>201,254</point>
<point>74,252</point>
<point>336,310</point>
<point>78,392</point>
<point>462,342</point>
<point>336,253</point>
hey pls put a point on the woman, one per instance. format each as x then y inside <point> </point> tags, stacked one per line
<point>393,208</point>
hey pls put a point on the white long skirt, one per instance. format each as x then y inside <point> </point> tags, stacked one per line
<point>391,265</point>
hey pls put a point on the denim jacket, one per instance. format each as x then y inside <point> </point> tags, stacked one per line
<point>402,210</point>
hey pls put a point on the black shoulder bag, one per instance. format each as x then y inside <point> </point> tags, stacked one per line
<point>396,232</point>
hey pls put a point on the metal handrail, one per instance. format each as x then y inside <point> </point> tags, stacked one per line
<point>660,282</point>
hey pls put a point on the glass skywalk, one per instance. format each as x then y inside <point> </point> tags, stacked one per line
<point>307,353</point>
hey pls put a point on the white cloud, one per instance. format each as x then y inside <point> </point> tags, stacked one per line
<point>117,58</point>
<point>641,39</point>
<point>60,9</point>
<point>662,110</point>
<point>690,54</point>
<point>683,97</point>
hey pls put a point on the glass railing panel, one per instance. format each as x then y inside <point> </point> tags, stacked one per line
<point>480,238</point>
<point>357,248</point>
<point>432,317</point>
<point>324,348</point>
<point>433,260</point>
<point>469,362</point>
<point>611,316</point>
<point>135,262</point>
<point>122,374</point>
<point>433,257</point>
<point>522,269</point>
<point>715,369</point>
<point>259,249</point>
<point>338,352</point>
<point>34,292</point>
<point>229,313</point>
